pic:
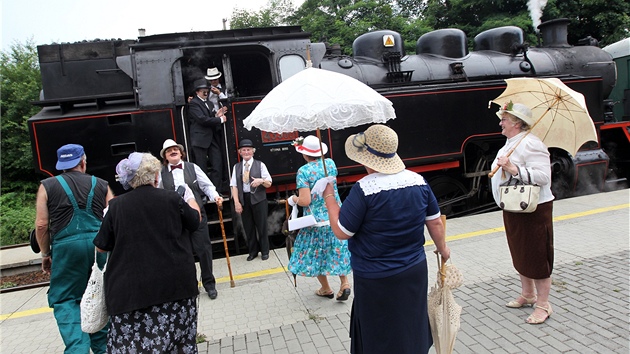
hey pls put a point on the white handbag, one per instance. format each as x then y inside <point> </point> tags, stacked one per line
<point>518,197</point>
<point>296,223</point>
<point>93,308</point>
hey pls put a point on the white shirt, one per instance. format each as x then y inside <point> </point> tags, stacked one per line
<point>264,174</point>
<point>530,156</point>
<point>214,98</point>
<point>202,180</point>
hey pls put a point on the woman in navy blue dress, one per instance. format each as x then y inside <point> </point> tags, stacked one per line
<point>383,219</point>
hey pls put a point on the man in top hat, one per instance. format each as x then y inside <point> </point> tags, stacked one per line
<point>250,179</point>
<point>217,92</point>
<point>69,212</point>
<point>206,134</point>
<point>176,172</point>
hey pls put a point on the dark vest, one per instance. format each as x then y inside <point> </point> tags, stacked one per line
<point>190,178</point>
<point>258,194</point>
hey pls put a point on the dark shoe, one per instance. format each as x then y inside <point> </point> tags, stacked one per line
<point>344,292</point>
<point>265,257</point>
<point>212,293</point>
<point>249,258</point>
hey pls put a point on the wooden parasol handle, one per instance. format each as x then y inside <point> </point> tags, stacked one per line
<point>225,245</point>
<point>319,136</point>
<point>494,171</point>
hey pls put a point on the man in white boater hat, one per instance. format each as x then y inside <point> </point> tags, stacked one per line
<point>175,172</point>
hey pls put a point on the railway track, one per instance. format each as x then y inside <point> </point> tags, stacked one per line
<point>15,268</point>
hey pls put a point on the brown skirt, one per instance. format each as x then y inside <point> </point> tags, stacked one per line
<point>530,238</point>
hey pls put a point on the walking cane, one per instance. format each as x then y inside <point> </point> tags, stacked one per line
<point>225,245</point>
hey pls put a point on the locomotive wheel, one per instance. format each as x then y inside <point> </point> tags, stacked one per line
<point>446,189</point>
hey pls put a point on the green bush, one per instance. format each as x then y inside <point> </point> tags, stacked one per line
<point>17,217</point>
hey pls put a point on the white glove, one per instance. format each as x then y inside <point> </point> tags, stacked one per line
<point>320,185</point>
<point>188,194</point>
<point>291,202</point>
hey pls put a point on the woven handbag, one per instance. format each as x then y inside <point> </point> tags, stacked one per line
<point>93,308</point>
<point>453,277</point>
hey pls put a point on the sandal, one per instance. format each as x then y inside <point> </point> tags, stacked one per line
<point>515,304</point>
<point>344,292</point>
<point>533,319</point>
<point>322,293</point>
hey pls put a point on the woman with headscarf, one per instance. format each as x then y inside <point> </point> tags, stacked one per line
<point>383,219</point>
<point>150,281</point>
<point>529,235</point>
<point>316,251</point>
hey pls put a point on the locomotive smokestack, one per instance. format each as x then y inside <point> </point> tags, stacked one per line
<point>554,33</point>
<point>141,32</point>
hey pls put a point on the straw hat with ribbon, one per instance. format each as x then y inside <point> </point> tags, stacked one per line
<point>310,146</point>
<point>376,149</point>
<point>518,110</point>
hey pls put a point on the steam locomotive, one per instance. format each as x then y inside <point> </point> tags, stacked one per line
<point>119,96</point>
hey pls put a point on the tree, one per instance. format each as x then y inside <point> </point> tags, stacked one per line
<point>275,13</point>
<point>605,20</point>
<point>21,84</point>
<point>340,22</point>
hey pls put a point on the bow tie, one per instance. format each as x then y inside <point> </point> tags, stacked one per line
<point>176,166</point>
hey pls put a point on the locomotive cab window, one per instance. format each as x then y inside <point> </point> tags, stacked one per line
<point>251,73</point>
<point>290,65</point>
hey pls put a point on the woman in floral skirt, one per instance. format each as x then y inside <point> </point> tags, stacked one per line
<point>316,251</point>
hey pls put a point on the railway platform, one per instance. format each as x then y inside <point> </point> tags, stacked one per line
<point>265,313</point>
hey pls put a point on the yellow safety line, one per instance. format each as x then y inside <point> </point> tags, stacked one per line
<point>38,311</point>
<point>284,269</point>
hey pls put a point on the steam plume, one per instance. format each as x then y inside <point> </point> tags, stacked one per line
<point>535,11</point>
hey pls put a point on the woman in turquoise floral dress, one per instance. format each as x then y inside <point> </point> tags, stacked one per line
<point>316,251</point>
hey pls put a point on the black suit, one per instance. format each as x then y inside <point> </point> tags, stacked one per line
<point>206,139</point>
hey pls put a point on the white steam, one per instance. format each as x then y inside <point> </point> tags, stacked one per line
<point>535,11</point>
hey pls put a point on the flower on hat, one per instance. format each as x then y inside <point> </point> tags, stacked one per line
<point>508,106</point>
<point>298,141</point>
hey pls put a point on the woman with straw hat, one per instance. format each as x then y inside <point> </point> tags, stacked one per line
<point>529,235</point>
<point>383,219</point>
<point>316,251</point>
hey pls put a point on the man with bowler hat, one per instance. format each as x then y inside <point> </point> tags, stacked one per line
<point>206,134</point>
<point>176,172</point>
<point>250,179</point>
<point>69,212</point>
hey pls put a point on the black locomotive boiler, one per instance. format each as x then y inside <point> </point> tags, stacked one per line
<point>119,96</point>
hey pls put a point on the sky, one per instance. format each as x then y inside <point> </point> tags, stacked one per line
<point>59,21</point>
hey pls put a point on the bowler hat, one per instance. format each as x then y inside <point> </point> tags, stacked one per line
<point>213,73</point>
<point>201,84</point>
<point>69,156</point>
<point>245,143</point>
